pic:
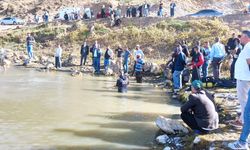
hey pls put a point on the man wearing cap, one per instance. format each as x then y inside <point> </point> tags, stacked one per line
<point>199,111</point>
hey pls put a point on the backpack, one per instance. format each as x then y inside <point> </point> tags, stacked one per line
<point>208,82</point>
<point>226,83</point>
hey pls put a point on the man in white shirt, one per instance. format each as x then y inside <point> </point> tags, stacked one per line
<point>58,56</point>
<point>242,74</point>
<point>137,52</point>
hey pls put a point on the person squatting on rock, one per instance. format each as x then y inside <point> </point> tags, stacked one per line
<point>199,112</point>
<point>139,68</point>
<point>122,83</point>
<point>58,56</point>
<point>84,53</point>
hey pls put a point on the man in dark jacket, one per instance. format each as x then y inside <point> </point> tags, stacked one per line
<point>122,84</point>
<point>231,45</point>
<point>180,62</point>
<point>199,112</point>
<point>84,53</point>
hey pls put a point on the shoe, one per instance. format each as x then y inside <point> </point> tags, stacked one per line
<point>236,123</point>
<point>238,145</point>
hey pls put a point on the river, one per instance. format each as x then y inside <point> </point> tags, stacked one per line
<point>56,111</point>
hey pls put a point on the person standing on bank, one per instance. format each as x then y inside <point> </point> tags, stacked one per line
<point>206,55</point>
<point>126,59</point>
<point>217,55</point>
<point>172,8</point>
<point>84,53</point>
<point>119,53</point>
<point>139,63</point>
<point>197,62</point>
<point>58,56</point>
<point>199,112</point>
<point>107,57</point>
<point>30,41</point>
<point>235,54</point>
<point>242,75</point>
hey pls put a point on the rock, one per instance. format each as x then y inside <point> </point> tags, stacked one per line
<point>152,68</point>
<point>170,126</point>
<point>162,139</point>
<point>109,72</point>
<point>167,148</point>
<point>155,69</point>
<point>50,66</point>
<point>76,73</point>
<point>114,67</point>
<point>87,69</point>
<point>197,140</point>
<point>72,60</point>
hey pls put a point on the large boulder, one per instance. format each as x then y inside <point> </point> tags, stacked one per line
<point>87,69</point>
<point>170,126</point>
<point>72,60</point>
<point>114,67</point>
<point>152,68</point>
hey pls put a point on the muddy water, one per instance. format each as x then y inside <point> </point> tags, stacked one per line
<point>55,111</point>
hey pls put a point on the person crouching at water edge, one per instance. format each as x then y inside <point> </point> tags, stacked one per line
<point>122,83</point>
<point>58,56</point>
<point>139,63</point>
<point>199,112</point>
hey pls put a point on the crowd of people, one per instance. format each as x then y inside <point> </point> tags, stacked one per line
<point>199,112</point>
<point>113,13</point>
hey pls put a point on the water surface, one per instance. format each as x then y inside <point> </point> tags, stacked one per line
<point>56,111</point>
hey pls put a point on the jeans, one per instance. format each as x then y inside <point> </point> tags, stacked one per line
<point>97,64</point>
<point>83,59</point>
<point>205,69</point>
<point>30,51</point>
<point>125,66</point>
<point>146,12</point>
<point>246,127</point>
<point>160,12</point>
<point>177,78</point>
<point>172,12</point>
<point>58,62</point>
<point>216,64</point>
<point>232,68</point>
<point>106,64</point>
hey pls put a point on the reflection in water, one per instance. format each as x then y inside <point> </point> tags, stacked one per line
<point>56,111</point>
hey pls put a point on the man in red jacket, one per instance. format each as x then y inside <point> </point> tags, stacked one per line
<point>197,62</point>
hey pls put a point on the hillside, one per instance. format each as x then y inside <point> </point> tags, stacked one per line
<point>26,8</point>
